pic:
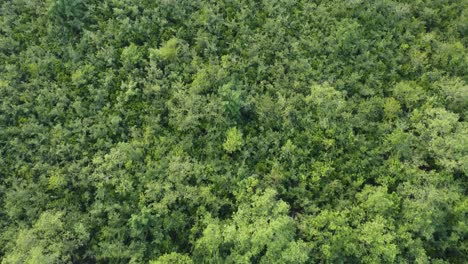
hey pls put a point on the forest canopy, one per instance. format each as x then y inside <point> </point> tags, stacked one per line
<point>233,131</point>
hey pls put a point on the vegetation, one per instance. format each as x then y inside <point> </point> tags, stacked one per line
<point>233,131</point>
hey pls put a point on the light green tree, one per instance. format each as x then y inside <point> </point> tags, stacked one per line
<point>233,140</point>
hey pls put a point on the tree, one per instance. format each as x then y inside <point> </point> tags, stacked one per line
<point>233,140</point>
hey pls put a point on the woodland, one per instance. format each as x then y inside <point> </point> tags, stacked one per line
<point>233,131</point>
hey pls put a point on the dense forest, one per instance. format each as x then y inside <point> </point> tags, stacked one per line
<point>233,131</point>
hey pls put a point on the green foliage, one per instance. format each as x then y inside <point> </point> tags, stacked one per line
<point>454,93</point>
<point>409,94</point>
<point>173,258</point>
<point>130,56</point>
<point>233,140</point>
<point>168,50</point>
<point>392,108</point>
<point>48,241</point>
<point>260,231</point>
<point>137,131</point>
